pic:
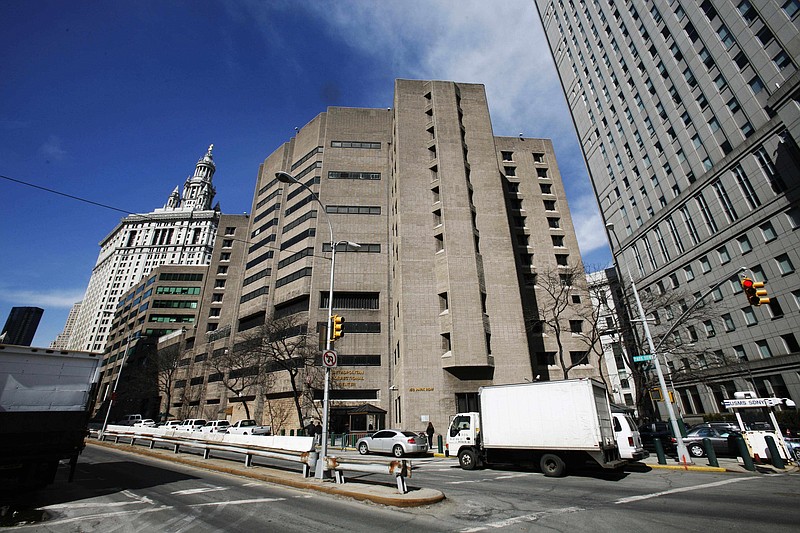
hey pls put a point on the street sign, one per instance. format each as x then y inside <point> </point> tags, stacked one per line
<point>329,359</point>
<point>642,358</point>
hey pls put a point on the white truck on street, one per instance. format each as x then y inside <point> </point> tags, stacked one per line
<point>249,427</point>
<point>552,424</point>
<point>45,399</point>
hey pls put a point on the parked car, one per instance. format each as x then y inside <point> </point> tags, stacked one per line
<point>172,424</point>
<point>145,422</point>
<point>794,447</point>
<point>191,424</point>
<point>249,427</point>
<point>719,440</point>
<point>129,420</point>
<point>656,430</point>
<point>719,426</point>
<point>215,426</point>
<point>394,441</point>
<point>629,441</point>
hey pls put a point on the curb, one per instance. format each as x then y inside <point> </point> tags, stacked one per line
<point>690,468</point>
<point>376,493</point>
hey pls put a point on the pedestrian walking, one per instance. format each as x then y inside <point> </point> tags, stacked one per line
<point>429,430</point>
<point>317,433</point>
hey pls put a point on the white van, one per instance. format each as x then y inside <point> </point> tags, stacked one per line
<point>129,420</point>
<point>629,441</point>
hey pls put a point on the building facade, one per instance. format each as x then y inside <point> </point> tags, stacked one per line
<point>606,294</point>
<point>687,113</point>
<point>452,225</point>
<point>62,340</point>
<point>166,301</point>
<point>21,324</point>
<point>182,232</point>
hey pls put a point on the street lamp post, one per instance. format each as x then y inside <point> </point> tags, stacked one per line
<point>683,454</point>
<point>285,177</point>
<point>116,383</point>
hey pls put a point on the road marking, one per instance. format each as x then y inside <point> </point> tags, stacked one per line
<point>681,489</point>
<point>102,516</point>
<point>88,505</point>
<point>239,502</point>
<point>198,490</point>
<point>521,474</point>
<point>507,476</point>
<point>533,517</point>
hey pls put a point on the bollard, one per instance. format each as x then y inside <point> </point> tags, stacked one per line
<point>291,433</point>
<point>333,439</point>
<point>744,454</point>
<point>775,456</point>
<point>283,432</point>
<point>441,444</point>
<point>662,458</point>
<point>710,454</point>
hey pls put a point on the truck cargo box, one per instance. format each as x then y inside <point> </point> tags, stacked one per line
<point>568,415</point>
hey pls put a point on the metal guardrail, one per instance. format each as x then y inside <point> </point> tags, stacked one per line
<point>308,459</point>
<point>399,469</point>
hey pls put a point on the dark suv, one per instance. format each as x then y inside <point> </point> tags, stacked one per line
<point>656,430</point>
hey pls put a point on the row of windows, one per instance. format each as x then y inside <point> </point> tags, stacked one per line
<point>180,276</point>
<point>174,304</point>
<point>178,290</point>
<point>353,209</point>
<point>339,175</point>
<point>172,318</point>
<point>254,294</point>
<point>356,144</point>
<point>257,276</point>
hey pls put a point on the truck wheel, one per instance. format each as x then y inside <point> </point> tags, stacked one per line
<point>363,449</point>
<point>552,465</point>
<point>468,459</point>
<point>695,450</point>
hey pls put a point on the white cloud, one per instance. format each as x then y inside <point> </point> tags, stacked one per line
<point>60,298</point>
<point>52,149</point>
<point>588,224</point>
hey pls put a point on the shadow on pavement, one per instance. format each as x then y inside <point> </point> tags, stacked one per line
<point>91,480</point>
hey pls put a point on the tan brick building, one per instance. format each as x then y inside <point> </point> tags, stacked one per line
<point>453,224</point>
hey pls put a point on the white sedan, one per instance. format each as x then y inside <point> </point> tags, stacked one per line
<point>394,441</point>
<point>145,423</point>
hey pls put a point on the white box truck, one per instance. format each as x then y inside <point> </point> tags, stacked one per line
<point>552,424</point>
<point>45,397</point>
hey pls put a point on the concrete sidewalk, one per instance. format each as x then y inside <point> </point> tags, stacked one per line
<point>386,494</point>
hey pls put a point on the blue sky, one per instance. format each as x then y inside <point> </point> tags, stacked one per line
<point>116,101</point>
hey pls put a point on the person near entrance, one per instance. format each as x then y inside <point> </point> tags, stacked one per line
<point>429,430</point>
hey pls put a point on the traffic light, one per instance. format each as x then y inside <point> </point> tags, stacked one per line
<point>337,323</point>
<point>755,292</point>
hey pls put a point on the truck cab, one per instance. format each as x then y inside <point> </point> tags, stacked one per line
<point>462,437</point>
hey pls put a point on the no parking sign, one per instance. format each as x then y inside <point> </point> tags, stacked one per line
<point>329,359</point>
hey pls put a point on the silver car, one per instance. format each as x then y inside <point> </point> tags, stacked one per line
<point>394,441</point>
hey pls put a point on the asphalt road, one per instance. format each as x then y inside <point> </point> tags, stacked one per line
<point>119,492</point>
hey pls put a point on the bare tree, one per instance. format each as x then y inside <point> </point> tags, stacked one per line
<point>558,313</point>
<point>289,352</point>
<point>279,354</point>
<point>241,369</point>
<point>166,363</point>
<point>686,345</point>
